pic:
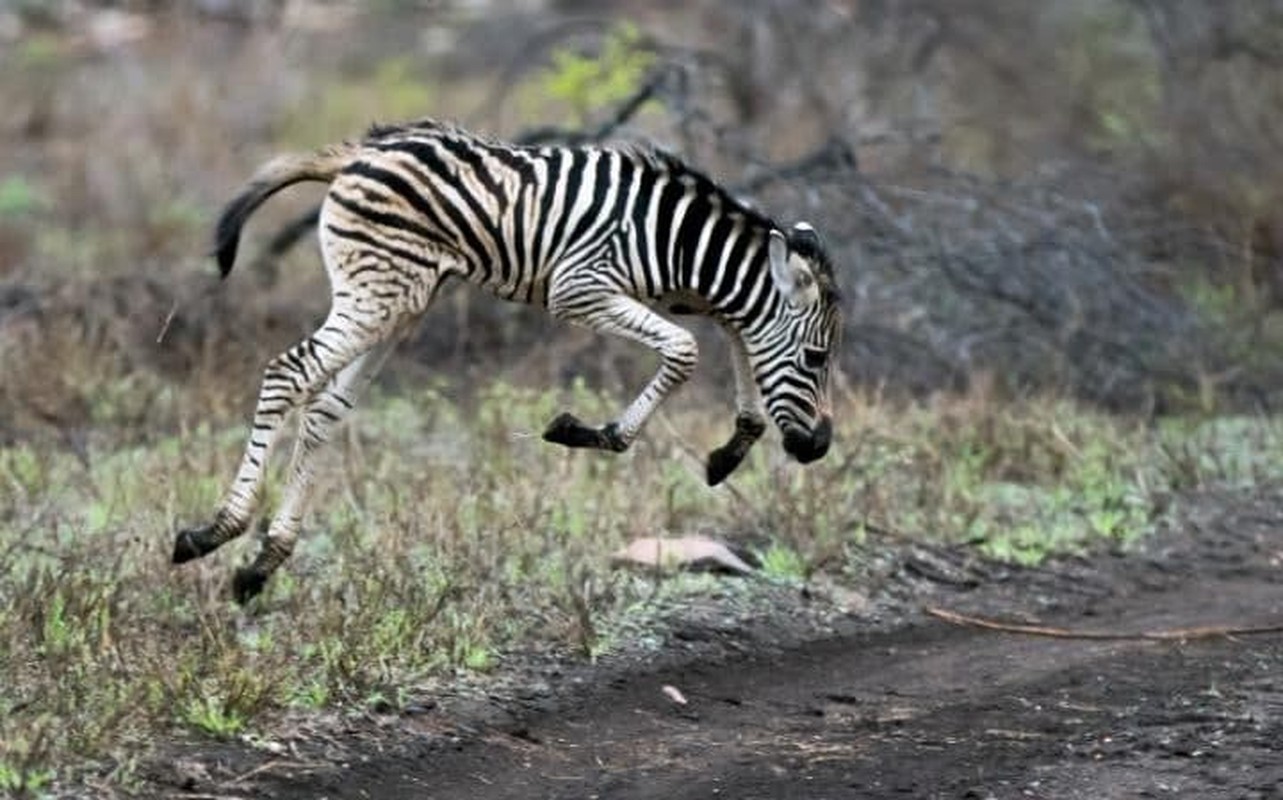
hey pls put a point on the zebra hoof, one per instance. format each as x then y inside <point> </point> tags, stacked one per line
<point>247,584</point>
<point>192,543</point>
<point>567,430</point>
<point>721,463</point>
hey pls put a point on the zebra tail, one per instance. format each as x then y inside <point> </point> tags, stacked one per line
<point>272,177</point>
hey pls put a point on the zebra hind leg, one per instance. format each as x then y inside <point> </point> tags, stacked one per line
<point>319,419</point>
<point>192,543</point>
<point>289,381</point>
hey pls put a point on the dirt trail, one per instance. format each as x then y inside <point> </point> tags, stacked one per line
<point>922,709</point>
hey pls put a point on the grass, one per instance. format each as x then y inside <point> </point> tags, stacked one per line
<point>447,536</point>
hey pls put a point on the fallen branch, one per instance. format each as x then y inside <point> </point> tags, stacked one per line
<point>1172,634</point>
<point>269,766</point>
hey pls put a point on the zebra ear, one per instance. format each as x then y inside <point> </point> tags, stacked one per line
<point>791,275</point>
<point>804,239</point>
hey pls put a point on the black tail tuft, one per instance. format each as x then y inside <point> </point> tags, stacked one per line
<point>227,233</point>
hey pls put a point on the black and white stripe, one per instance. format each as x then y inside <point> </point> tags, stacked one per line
<point>600,236</point>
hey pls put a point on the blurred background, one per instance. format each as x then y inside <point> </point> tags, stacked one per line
<point>1078,198</point>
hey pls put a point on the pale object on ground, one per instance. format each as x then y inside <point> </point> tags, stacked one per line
<point>674,694</point>
<point>682,552</point>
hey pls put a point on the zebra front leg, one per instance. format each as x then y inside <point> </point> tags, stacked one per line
<point>750,422</point>
<point>623,316</point>
<point>725,459</point>
<point>568,430</point>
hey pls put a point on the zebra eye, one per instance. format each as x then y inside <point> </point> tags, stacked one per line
<point>814,358</point>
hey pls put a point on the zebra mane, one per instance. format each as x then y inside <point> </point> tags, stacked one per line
<point>380,130</point>
<point>809,245</point>
<point>672,165</point>
<point>803,239</point>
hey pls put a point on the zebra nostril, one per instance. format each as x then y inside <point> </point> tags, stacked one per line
<point>807,446</point>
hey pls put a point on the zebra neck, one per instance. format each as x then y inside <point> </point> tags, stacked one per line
<point>727,269</point>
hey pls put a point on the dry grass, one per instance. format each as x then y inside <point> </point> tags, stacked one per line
<point>449,537</point>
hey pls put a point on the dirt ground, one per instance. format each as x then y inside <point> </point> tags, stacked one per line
<point>893,703</point>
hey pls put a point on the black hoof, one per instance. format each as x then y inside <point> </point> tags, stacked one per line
<point>247,584</point>
<point>568,431</point>
<point>722,462</point>
<point>727,458</point>
<point>192,543</point>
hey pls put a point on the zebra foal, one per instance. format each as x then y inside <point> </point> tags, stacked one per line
<point>597,235</point>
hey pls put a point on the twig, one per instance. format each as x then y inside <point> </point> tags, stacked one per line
<point>168,322</point>
<point>835,157</point>
<point>267,766</point>
<point>623,113</point>
<point>169,319</point>
<point>1167,635</point>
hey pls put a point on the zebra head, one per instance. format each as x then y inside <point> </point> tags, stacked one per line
<point>793,368</point>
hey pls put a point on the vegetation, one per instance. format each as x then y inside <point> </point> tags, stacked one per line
<point>589,83</point>
<point>451,538</point>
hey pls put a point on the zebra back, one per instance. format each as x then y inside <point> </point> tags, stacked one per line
<point>636,218</point>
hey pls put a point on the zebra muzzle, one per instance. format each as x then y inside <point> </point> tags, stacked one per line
<point>807,446</point>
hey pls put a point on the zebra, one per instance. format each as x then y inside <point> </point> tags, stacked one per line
<point>603,236</point>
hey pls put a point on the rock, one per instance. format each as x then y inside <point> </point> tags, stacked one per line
<point>692,553</point>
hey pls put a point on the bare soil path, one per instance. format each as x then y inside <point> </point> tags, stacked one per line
<point>911,706</point>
